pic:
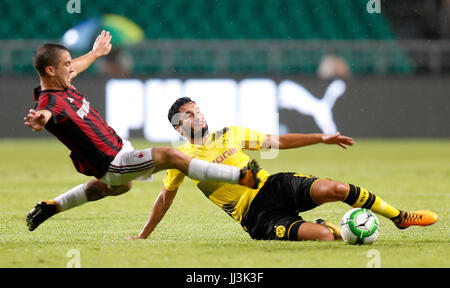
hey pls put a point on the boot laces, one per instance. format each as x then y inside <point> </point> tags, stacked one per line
<point>413,216</point>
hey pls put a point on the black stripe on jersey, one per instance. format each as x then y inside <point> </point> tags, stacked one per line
<point>50,105</point>
<point>58,114</point>
<point>51,102</point>
<point>101,121</point>
<point>93,127</point>
<point>95,114</point>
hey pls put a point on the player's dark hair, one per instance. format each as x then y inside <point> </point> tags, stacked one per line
<point>175,108</point>
<point>47,55</point>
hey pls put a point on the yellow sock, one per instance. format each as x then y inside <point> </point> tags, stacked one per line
<point>384,209</point>
<point>360,197</point>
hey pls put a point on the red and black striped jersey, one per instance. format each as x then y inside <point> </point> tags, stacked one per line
<point>92,142</point>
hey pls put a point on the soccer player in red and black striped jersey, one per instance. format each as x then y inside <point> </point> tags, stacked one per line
<point>96,149</point>
<point>80,127</point>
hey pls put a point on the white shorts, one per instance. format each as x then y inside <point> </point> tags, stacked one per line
<point>128,165</point>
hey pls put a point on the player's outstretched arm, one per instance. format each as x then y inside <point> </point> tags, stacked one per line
<point>294,140</point>
<point>102,47</point>
<point>36,120</point>
<point>160,207</point>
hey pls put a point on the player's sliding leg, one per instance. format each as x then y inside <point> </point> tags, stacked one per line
<point>169,158</point>
<point>318,230</point>
<point>164,158</point>
<point>334,229</point>
<point>90,191</point>
<point>325,190</point>
<point>314,231</point>
<point>360,197</point>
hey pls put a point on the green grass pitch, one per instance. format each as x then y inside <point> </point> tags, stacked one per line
<point>409,174</point>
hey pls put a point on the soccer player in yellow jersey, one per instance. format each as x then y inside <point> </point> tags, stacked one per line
<point>272,210</point>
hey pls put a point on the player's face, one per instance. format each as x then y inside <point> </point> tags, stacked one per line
<point>64,70</point>
<point>192,120</point>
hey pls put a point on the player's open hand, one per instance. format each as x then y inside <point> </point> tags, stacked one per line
<point>102,45</point>
<point>338,139</point>
<point>36,120</point>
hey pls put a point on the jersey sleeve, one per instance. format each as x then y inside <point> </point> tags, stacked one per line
<point>46,102</point>
<point>249,139</point>
<point>51,103</point>
<point>173,180</point>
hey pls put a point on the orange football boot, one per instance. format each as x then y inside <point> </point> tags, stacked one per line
<point>419,218</point>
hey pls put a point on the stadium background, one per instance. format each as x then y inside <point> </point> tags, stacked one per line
<point>396,63</point>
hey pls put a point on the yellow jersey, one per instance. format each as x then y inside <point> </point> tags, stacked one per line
<point>224,147</point>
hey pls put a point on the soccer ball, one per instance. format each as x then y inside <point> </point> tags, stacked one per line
<point>360,226</point>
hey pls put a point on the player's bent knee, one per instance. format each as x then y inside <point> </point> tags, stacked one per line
<point>312,231</point>
<point>339,190</point>
<point>326,190</point>
<point>326,235</point>
<point>118,190</point>
<point>323,233</point>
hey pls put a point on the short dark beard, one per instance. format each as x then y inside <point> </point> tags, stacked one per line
<point>205,131</point>
<point>194,134</point>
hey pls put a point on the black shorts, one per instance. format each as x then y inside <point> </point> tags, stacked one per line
<point>274,213</point>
